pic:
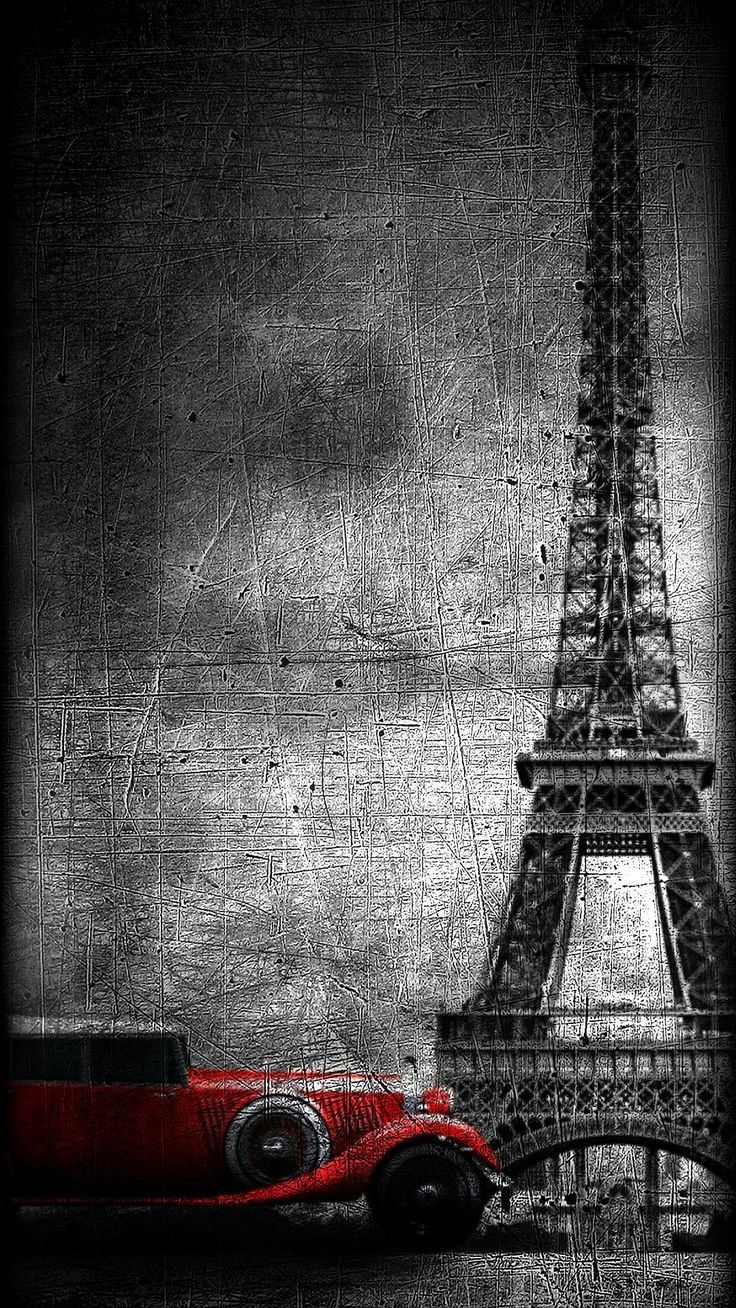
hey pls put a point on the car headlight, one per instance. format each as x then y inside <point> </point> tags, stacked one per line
<point>436,1100</point>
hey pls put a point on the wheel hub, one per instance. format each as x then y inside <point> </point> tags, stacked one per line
<point>276,1146</point>
<point>428,1194</point>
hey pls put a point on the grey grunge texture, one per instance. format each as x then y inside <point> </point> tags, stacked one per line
<point>293,347</point>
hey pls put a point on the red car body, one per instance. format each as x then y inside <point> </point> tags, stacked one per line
<point>126,1119</point>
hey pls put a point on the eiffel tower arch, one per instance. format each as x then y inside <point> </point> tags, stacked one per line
<point>615,772</point>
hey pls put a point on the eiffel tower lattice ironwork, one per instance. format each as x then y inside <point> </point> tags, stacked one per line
<point>616,772</point>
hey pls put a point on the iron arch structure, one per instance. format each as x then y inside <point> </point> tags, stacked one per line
<point>535,1097</point>
<point>542,1145</point>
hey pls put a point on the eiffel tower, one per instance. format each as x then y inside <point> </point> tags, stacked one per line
<point>615,772</point>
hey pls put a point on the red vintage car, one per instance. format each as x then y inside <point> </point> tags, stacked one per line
<point>123,1118</point>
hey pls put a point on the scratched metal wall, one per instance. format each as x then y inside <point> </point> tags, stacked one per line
<point>292,346</point>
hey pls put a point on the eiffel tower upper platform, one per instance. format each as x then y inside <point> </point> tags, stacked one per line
<point>615,772</point>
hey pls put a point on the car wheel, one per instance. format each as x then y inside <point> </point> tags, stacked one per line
<point>427,1194</point>
<point>274,1138</point>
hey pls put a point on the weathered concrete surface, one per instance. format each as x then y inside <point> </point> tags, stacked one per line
<point>292,359</point>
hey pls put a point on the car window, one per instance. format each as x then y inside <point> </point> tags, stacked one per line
<point>52,1059</point>
<point>147,1060</point>
<point>158,1059</point>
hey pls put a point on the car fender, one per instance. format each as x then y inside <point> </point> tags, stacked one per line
<point>347,1175</point>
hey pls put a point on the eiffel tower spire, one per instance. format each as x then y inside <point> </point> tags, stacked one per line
<point>615,772</point>
<point>615,681</point>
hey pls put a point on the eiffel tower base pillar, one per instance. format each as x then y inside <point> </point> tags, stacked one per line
<point>650,1207</point>
<point>580,1175</point>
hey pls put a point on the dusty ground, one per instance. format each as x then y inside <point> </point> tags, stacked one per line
<point>331,1258</point>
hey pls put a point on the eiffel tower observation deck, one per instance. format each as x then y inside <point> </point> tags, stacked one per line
<point>615,773</point>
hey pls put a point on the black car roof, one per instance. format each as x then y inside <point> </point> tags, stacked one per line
<point>113,1053</point>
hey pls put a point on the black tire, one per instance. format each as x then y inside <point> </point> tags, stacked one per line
<point>275,1138</point>
<point>427,1195</point>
